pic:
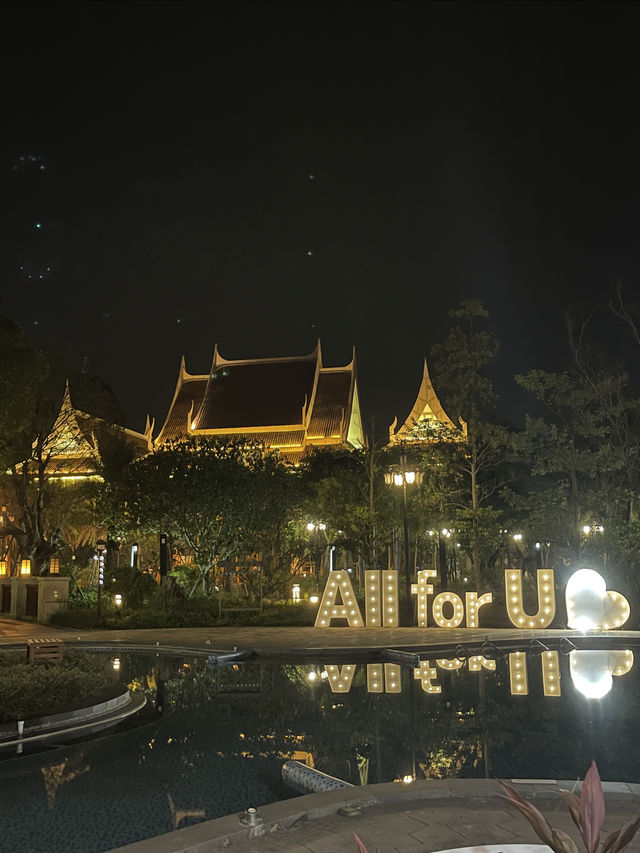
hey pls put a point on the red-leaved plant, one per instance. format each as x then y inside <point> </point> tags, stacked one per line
<point>587,812</point>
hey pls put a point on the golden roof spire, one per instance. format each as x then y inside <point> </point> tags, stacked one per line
<point>427,411</point>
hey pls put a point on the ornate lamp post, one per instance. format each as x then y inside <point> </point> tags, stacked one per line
<point>401,476</point>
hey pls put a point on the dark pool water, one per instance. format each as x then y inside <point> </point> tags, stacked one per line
<point>212,741</point>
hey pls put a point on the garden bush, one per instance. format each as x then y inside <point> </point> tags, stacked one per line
<point>50,687</point>
<point>188,613</point>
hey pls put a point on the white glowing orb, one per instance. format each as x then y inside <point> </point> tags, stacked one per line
<point>592,670</point>
<point>590,605</point>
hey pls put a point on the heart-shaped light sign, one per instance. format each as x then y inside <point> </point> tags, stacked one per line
<point>590,605</point>
<point>592,670</point>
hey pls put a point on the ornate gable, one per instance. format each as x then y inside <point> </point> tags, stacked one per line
<point>427,417</point>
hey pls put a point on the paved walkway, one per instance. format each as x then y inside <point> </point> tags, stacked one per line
<point>393,818</point>
<point>275,641</point>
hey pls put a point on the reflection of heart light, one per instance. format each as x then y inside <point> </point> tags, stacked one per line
<point>590,674</point>
<point>591,605</point>
<point>592,670</point>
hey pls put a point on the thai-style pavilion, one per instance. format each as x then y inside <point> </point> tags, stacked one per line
<point>427,418</point>
<point>77,440</point>
<point>290,404</point>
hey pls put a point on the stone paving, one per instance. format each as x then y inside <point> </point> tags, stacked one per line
<point>425,816</point>
<point>270,641</point>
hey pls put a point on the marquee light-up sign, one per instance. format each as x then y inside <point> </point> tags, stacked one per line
<point>590,605</point>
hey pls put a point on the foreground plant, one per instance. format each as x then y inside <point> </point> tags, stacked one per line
<point>587,812</point>
<point>359,845</point>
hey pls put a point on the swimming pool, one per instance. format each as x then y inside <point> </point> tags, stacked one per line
<point>212,741</point>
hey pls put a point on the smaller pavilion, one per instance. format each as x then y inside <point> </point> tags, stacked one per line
<point>427,419</point>
<point>77,440</point>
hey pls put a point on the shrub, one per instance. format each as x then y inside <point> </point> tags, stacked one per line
<point>36,689</point>
<point>187,613</point>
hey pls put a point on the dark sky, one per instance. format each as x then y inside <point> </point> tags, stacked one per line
<point>260,174</point>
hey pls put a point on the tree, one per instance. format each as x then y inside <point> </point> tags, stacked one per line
<point>349,494</point>
<point>460,364</point>
<point>35,430</point>
<point>22,371</point>
<point>217,499</point>
<point>581,459</point>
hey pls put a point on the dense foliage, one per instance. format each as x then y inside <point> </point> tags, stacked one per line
<point>557,488</point>
<point>33,689</point>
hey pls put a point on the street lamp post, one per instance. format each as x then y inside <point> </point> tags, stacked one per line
<point>401,475</point>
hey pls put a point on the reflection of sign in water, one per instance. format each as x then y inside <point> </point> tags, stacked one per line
<point>590,605</point>
<point>591,672</point>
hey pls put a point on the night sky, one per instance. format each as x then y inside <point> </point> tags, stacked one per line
<point>258,175</point>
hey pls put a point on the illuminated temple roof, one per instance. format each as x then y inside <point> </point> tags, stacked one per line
<point>290,404</point>
<point>76,438</point>
<point>427,418</point>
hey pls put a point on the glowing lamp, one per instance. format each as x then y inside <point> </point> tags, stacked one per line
<point>478,662</point>
<point>330,608</point>
<point>518,674</point>
<point>340,678</point>
<point>448,663</point>
<point>474,604</point>
<point>314,599</point>
<point>423,589</point>
<point>425,674</point>
<point>3,568</point>
<point>54,566</point>
<point>546,599</point>
<point>25,567</point>
<point>551,674</point>
<point>310,526</point>
<point>591,606</point>
<point>375,680</point>
<point>455,607</point>
<point>410,477</point>
<point>295,593</point>
<point>115,663</point>
<point>117,598</point>
<point>397,479</point>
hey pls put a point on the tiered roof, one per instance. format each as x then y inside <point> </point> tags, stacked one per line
<point>74,441</point>
<point>427,418</point>
<point>290,404</point>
